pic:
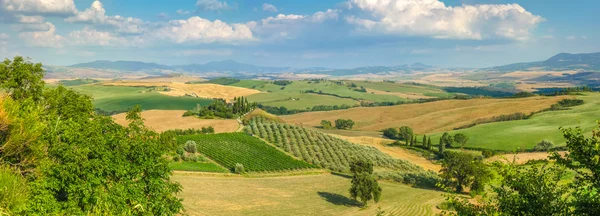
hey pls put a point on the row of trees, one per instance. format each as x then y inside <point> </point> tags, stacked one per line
<point>220,108</point>
<point>343,124</point>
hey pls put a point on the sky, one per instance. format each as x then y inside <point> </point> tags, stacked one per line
<point>298,33</point>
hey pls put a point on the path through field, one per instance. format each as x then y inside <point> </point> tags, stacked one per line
<point>322,194</point>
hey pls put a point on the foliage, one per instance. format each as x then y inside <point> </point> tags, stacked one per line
<point>326,124</point>
<point>345,124</point>
<point>405,133</point>
<point>447,140</point>
<point>282,82</point>
<point>461,139</point>
<point>13,191</point>
<point>364,185</point>
<point>220,108</point>
<point>76,162</point>
<point>228,149</point>
<point>544,145</point>
<point>479,91</point>
<point>190,146</point>
<point>239,168</point>
<point>77,82</point>
<point>224,81</point>
<point>197,167</point>
<point>191,131</point>
<point>391,133</point>
<point>460,170</point>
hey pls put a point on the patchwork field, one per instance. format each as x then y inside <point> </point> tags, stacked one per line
<point>111,98</point>
<point>296,195</point>
<point>201,90</point>
<point>525,134</point>
<point>429,117</point>
<point>162,120</point>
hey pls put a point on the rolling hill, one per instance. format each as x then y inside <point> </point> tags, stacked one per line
<point>561,61</point>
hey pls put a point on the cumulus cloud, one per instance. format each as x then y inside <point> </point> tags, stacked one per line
<point>182,12</point>
<point>199,30</point>
<point>33,27</point>
<point>97,15</point>
<point>212,5</point>
<point>39,7</point>
<point>432,18</point>
<point>47,38</point>
<point>88,36</point>
<point>269,7</point>
<point>287,26</point>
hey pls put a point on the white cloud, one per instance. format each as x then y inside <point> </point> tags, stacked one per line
<point>39,7</point>
<point>288,26</point>
<point>163,15</point>
<point>201,52</point>
<point>269,7</point>
<point>212,5</point>
<point>182,12</point>
<point>89,36</point>
<point>97,15</point>
<point>32,27</point>
<point>199,30</point>
<point>432,18</point>
<point>47,38</point>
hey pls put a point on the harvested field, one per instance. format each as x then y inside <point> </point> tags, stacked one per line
<point>521,158</point>
<point>200,90</point>
<point>396,152</point>
<point>399,94</point>
<point>162,120</point>
<point>427,117</point>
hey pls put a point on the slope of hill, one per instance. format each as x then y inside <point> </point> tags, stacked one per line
<point>121,65</point>
<point>561,61</point>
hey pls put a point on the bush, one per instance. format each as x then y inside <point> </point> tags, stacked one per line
<point>180,151</point>
<point>544,145</point>
<point>346,124</point>
<point>190,146</point>
<point>13,192</point>
<point>326,124</point>
<point>487,153</point>
<point>239,168</point>
<point>193,158</point>
<point>176,158</point>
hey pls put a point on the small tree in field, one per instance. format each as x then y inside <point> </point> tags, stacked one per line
<point>544,145</point>
<point>364,185</point>
<point>441,147</point>
<point>391,133</point>
<point>405,133</point>
<point>460,170</point>
<point>190,146</point>
<point>345,124</point>
<point>239,168</point>
<point>326,124</point>
<point>447,139</point>
<point>461,139</point>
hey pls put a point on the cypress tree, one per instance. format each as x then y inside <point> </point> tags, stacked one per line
<point>429,143</point>
<point>441,147</point>
<point>424,140</point>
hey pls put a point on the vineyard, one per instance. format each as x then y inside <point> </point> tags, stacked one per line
<point>228,149</point>
<point>321,149</point>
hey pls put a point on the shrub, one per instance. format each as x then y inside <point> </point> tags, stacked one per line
<point>193,158</point>
<point>487,153</point>
<point>239,168</point>
<point>346,124</point>
<point>180,151</point>
<point>544,145</point>
<point>13,192</point>
<point>176,158</point>
<point>190,146</point>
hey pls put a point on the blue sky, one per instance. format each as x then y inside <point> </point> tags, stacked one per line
<point>298,33</point>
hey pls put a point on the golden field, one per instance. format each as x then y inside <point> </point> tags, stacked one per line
<point>201,90</point>
<point>162,120</point>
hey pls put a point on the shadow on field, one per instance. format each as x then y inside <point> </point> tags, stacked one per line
<point>338,199</point>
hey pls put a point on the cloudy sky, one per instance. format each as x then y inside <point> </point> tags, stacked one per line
<point>298,33</point>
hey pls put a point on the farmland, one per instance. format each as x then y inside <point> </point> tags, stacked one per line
<point>205,90</point>
<point>524,134</point>
<point>111,98</point>
<point>426,118</point>
<point>162,120</point>
<point>228,149</point>
<point>296,195</point>
<point>321,149</point>
<point>197,167</point>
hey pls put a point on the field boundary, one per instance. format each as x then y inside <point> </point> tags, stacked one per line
<point>285,173</point>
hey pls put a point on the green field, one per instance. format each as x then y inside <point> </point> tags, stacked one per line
<point>110,98</point>
<point>77,82</point>
<point>525,134</point>
<point>249,83</point>
<point>297,195</point>
<point>228,149</point>
<point>431,91</point>
<point>197,167</point>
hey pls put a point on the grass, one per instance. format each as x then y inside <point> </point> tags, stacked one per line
<point>111,98</point>
<point>297,195</point>
<point>228,149</point>
<point>197,167</point>
<point>162,120</point>
<point>426,118</point>
<point>525,134</point>
<point>405,88</point>
<point>249,83</point>
<point>77,82</point>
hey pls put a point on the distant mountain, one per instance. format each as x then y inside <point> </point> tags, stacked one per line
<point>561,61</point>
<point>376,70</point>
<point>121,65</point>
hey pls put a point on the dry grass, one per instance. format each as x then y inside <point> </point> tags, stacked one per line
<point>521,158</point>
<point>532,87</point>
<point>162,120</point>
<point>449,79</point>
<point>534,74</point>
<point>396,152</point>
<point>399,94</point>
<point>429,117</point>
<point>201,90</point>
<point>264,114</point>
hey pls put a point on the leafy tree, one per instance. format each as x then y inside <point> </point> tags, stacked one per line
<point>441,147</point>
<point>391,133</point>
<point>447,140</point>
<point>22,79</point>
<point>544,145</point>
<point>345,124</point>
<point>461,139</point>
<point>405,133</point>
<point>460,170</point>
<point>429,143</point>
<point>190,146</point>
<point>424,143</point>
<point>326,124</point>
<point>239,168</point>
<point>364,185</point>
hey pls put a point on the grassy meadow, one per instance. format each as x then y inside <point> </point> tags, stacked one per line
<point>323,194</point>
<point>110,98</point>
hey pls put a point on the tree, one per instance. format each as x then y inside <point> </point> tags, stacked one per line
<point>364,185</point>
<point>22,79</point>
<point>447,140</point>
<point>391,133</point>
<point>190,146</point>
<point>441,147</point>
<point>405,133</point>
<point>239,168</point>
<point>460,170</point>
<point>326,124</point>
<point>429,143</point>
<point>461,139</point>
<point>424,143</point>
<point>544,145</point>
<point>345,124</point>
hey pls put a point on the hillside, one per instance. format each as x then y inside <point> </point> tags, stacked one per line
<point>426,117</point>
<point>559,62</point>
<point>162,120</point>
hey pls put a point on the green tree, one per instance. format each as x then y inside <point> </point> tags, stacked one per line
<point>22,79</point>
<point>391,133</point>
<point>447,140</point>
<point>461,139</point>
<point>460,170</point>
<point>364,185</point>
<point>429,143</point>
<point>424,143</point>
<point>345,124</point>
<point>441,147</point>
<point>544,145</point>
<point>326,124</point>
<point>405,133</point>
